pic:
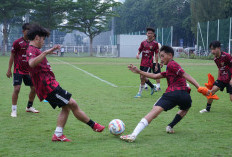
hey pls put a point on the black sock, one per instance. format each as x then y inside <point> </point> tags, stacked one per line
<point>175,120</point>
<point>208,106</point>
<point>91,123</point>
<point>29,104</point>
<point>149,84</point>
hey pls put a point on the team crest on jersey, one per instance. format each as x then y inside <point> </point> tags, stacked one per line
<point>151,47</point>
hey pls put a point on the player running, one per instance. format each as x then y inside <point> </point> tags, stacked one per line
<point>148,47</point>
<point>177,93</point>
<point>223,61</point>
<point>21,73</point>
<point>48,88</point>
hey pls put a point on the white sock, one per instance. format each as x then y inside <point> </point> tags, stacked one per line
<point>145,85</point>
<point>14,107</point>
<point>141,87</point>
<point>59,131</point>
<point>158,85</point>
<point>141,125</point>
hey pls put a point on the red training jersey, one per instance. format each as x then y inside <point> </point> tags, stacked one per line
<point>148,48</point>
<point>42,76</point>
<point>224,63</point>
<point>174,74</point>
<point>20,62</point>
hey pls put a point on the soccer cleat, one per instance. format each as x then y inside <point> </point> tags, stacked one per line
<point>13,114</point>
<point>169,130</point>
<point>203,111</point>
<point>98,128</point>
<point>153,90</point>
<point>32,109</point>
<point>45,100</point>
<point>128,138</point>
<point>61,138</point>
<point>137,95</point>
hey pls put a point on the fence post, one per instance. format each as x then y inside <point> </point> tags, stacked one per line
<point>218,31</point>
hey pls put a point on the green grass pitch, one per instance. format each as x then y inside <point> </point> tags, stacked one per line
<point>208,134</point>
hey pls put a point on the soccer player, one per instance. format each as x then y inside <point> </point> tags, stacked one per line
<point>223,61</point>
<point>148,47</point>
<point>48,88</point>
<point>177,93</point>
<point>18,57</point>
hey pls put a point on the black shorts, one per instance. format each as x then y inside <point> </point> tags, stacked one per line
<point>171,99</point>
<point>17,79</point>
<point>222,85</point>
<point>145,69</point>
<point>153,68</point>
<point>59,97</point>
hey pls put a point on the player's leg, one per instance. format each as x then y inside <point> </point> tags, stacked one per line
<point>141,87</point>
<point>17,81</point>
<point>156,72</point>
<point>80,115</point>
<point>28,82</point>
<point>156,110</point>
<point>210,101</point>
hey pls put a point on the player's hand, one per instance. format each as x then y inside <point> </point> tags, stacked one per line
<point>52,50</point>
<point>137,56</point>
<point>133,68</point>
<point>9,74</point>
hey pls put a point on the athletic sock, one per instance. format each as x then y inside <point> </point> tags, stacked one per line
<point>149,83</point>
<point>29,104</point>
<point>141,125</point>
<point>59,131</point>
<point>141,87</point>
<point>14,107</point>
<point>175,120</point>
<point>208,107</point>
<point>91,123</point>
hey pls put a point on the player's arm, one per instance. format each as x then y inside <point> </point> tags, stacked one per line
<point>191,80</point>
<point>11,61</point>
<point>134,69</point>
<point>35,61</point>
<point>156,61</point>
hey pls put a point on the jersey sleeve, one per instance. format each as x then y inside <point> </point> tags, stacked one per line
<point>156,48</point>
<point>176,68</point>
<point>141,47</point>
<point>15,47</point>
<point>30,54</point>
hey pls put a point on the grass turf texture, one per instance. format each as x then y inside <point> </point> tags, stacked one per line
<point>197,134</point>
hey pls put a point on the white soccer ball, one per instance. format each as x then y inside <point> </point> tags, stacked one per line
<point>116,127</point>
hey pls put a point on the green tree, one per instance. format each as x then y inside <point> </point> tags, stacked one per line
<point>11,12</point>
<point>90,17</point>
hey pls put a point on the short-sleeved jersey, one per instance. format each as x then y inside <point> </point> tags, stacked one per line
<point>42,76</point>
<point>224,64</point>
<point>148,49</point>
<point>19,50</point>
<point>174,74</point>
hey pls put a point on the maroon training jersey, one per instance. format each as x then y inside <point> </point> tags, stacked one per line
<point>19,50</point>
<point>174,74</point>
<point>224,63</point>
<point>148,49</point>
<point>42,76</point>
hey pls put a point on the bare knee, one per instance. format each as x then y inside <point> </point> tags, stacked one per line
<point>182,113</point>
<point>17,89</point>
<point>73,104</point>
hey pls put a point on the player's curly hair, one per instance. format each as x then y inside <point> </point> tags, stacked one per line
<point>150,29</point>
<point>167,49</point>
<point>36,29</point>
<point>215,44</point>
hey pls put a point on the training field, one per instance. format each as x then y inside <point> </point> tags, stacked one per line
<point>105,89</point>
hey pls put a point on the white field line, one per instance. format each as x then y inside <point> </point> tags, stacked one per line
<point>92,75</point>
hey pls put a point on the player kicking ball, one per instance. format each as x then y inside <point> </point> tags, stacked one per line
<point>177,93</point>
<point>48,88</point>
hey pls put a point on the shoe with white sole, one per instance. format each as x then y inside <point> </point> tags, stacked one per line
<point>203,111</point>
<point>32,109</point>
<point>128,138</point>
<point>13,114</point>
<point>169,130</point>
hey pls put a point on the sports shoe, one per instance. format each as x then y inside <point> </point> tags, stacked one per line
<point>203,111</point>
<point>45,100</point>
<point>98,128</point>
<point>61,138</point>
<point>32,109</point>
<point>137,95</point>
<point>153,90</point>
<point>169,130</point>
<point>128,138</point>
<point>13,114</point>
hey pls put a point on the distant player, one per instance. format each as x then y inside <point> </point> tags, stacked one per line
<point>177,93</point>
<point>21,73</point>
<point>48,88</point>
<point>148,47</point>
<point>223,61</point>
